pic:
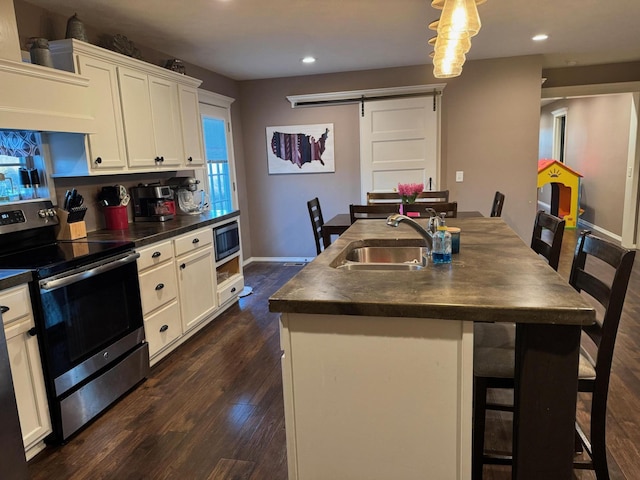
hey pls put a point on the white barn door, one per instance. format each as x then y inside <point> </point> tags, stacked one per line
<point>399,143</point>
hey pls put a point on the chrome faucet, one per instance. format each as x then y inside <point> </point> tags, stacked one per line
<point>395,219</point>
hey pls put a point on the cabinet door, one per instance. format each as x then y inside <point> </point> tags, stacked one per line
<point>136,113</point>
<point>158,287</point>
<point>191,128</point>
<point>196,286</point>
<point>165,115</point>
<point>106,145</point>
<point>28,382</point>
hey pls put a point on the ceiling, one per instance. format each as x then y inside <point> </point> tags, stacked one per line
<point>254,39</point>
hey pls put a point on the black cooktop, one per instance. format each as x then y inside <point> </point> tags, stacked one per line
<point>58,257</point>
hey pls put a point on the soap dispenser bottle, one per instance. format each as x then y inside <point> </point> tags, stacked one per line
<point>441,252</point>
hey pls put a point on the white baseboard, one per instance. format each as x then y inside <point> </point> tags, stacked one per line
<point>591,226</point>
<point>584,224</point>
<point>279,260</point>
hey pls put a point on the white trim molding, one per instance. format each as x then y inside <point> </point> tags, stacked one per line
<point>278,260</point>
<point>215,99</point>
<point>356,96</point>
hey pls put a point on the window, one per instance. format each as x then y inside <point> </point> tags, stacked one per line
<point>220,182</point>
<point>22,169</point>
<point>559,134</point>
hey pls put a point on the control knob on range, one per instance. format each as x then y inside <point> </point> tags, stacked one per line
<point>46,212</point>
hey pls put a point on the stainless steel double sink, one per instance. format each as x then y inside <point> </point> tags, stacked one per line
<point>394,256</point>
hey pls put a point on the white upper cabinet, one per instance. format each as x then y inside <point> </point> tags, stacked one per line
<point>146,116</point>
<point>136,112</point>
<point>165,113</point>
<point>190,123</point>
<point>106,147</point>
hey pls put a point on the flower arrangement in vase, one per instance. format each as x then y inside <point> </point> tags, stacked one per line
<point>409,192</point>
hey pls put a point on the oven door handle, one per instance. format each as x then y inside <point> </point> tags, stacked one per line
<point>87,272</point>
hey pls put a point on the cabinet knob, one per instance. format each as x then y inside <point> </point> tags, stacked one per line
<point>156,254</point>
<point>32,332</point>
<point>160,286</point>
<point>190,159</point>
<point>4,309</point>
<point>233,289</point>
<point>183,266</point>
<point>195,240</point>
<point>99,160</point>
<point>164,328</point>
<point>161,159</point>
<point>157,159</point>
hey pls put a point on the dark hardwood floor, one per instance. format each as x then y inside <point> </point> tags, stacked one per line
<point>213,409</point>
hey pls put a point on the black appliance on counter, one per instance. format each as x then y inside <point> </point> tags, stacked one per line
<point>152,203</point>
<point>88,313</point>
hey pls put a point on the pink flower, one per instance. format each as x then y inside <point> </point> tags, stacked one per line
<point>410,191</point>
<point>410,188</point>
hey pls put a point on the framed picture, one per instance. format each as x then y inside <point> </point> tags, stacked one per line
<point>300,149</point>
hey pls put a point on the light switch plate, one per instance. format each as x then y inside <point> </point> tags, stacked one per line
<point>459,176</point>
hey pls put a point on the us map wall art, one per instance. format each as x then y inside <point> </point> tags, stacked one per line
<point>300,149</point>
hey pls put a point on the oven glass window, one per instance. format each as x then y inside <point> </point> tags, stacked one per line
<point>82,318</point>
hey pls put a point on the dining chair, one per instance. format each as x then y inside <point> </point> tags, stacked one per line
<point>449,208</point>
<point>496,207</point>
<point>494,365</point>
<point>380,210</point>
<point>315,213</point>
<point>395,197</point>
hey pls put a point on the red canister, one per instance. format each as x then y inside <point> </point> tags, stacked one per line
<point>116,217</point>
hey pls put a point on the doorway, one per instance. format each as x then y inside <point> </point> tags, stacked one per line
<point>400,143</point>
<point>618,164</point>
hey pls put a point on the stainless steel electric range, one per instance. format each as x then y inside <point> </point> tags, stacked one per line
<point>88,314</point>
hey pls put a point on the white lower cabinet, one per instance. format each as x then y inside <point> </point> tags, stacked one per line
<point>195,277</point>
<point>159,295</point>
<point>26,368</point>
<point>179,288</point>
<point>163,327</point>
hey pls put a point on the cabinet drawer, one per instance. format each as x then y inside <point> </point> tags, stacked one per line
<point>19,302</point>
<point>154,255</point>
<point>163,327</point>
<point>157,287</point>
<point>230,288</point>
<point>193,241</point>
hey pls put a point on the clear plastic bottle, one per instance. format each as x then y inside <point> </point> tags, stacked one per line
<point>441,252</point>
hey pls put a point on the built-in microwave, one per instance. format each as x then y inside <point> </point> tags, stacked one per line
<point>226,239</point>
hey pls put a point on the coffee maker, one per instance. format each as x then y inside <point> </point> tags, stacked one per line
<point>152,203</point>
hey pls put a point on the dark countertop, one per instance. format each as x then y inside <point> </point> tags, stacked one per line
<point>495,277</point>
<point>146,233</point>
<point>12,278</point>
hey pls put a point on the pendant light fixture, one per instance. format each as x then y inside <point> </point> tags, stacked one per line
<point>455,27</point>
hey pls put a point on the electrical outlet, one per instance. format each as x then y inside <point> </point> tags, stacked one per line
<point>459,176</point>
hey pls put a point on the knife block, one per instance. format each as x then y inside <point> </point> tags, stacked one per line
<point>70,231</point>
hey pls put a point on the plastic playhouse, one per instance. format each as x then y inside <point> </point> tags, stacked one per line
<point>565,189</point>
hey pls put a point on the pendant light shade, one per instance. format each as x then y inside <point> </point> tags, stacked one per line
<point>459,19</point>
<point>455,27</point>
<point>439,4</point>
<point>446,71</point>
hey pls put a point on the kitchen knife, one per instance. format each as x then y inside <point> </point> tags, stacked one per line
<point>67,197</point>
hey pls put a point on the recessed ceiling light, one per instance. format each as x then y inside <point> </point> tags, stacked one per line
<point>308,60</point>
<point>539,38</point>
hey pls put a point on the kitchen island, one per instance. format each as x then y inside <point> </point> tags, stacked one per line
<point>378,365</point>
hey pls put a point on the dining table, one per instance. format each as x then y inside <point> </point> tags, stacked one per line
<point>339,223</point>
